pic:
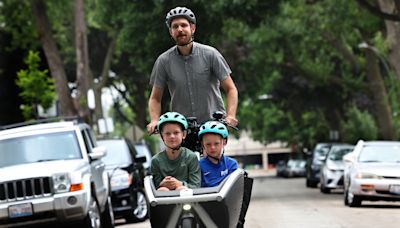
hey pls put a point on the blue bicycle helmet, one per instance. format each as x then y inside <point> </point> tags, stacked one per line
<point>214,127</point>
<point>180,12</point>
<point>169,117</point>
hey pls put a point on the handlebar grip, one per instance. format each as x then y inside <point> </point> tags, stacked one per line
<point>233,127</point>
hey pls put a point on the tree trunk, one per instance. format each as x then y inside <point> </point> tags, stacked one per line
<point>393,34</point>
<point>53,57</point>
<point>380,97</point>
<point>83,77</point>
<point>140,108</point>
<point>104,78</point>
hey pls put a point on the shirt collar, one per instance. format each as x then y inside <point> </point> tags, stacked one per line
<point>194,49</point>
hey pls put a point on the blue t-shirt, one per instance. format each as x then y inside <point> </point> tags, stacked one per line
<point>213,174</point>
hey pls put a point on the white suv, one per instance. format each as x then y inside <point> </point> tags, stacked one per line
<point>52,173</point>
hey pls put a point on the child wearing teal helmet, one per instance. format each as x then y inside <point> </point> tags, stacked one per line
<point>215,167</point>
<point>176,167</point>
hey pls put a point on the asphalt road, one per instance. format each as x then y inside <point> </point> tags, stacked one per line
<point>287,203</point>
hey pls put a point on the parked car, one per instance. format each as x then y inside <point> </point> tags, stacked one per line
<point>372,172</point>
<point>314,162</point>
<point>53,173</point>
<point>291,168</point>
<point>127,173</point>
<point>280,168</point>
<point>332,168</point>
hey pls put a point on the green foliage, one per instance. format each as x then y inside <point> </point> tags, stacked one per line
<point>37,88</point>
<point>286,49</point>
<point>359,125</point>
<point>294,56</point>
<point>269,123</point>
<point>16,20</point>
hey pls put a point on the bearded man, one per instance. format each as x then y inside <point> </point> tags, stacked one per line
<point>193,74</point>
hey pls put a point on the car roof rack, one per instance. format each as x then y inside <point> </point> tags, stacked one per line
<point>75,119</point>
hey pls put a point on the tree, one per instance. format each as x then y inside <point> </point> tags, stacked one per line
<point>53,57</point>
<point>36,87</point>
<point>84,79</point>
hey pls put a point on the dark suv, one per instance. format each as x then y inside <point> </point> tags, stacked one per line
<point>125,167</point>
<point>314,161</point>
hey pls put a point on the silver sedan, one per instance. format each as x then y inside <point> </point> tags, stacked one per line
<point>372,172</point>
<point>332,169</point>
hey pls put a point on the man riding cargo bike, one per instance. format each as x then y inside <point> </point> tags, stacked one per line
<point>193,74</point>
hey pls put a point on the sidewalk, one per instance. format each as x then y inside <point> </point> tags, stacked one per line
<point>261,172</point>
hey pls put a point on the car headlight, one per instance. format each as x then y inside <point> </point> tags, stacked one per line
<point>121,180</point>
<point>315,167</point>
<point>334,168</point>
<point>367,176</point>
<point>61,182</point>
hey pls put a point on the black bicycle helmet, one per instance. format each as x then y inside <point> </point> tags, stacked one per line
<point>180,12</point>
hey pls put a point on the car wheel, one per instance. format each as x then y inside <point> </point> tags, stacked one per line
<point>352,200</point>
<point>322,187</point>
<point>308,183</point>
<point>107,217</point>
<point>311,184</point>
<point>92,219</point>
<point>346,202</point>
<point>140,213</point>
<point>355,201</point>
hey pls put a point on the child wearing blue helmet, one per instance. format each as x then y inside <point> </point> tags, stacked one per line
<point>215,167</point>
<point>176,167</point>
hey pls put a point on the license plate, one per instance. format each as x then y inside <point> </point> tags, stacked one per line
<point>394,189</point>
<point>20,210</point>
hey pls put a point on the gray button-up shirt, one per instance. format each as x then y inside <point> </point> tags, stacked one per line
<point>193,81</point>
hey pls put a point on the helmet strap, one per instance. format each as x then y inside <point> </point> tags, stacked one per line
<point>185,45</point>
<point>216,158</point>
<point>177,148</point>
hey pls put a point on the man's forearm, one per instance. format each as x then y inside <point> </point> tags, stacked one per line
<point>232,102</point>
<point>154,109</point>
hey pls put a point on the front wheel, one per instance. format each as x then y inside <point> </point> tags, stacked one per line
<point>107,217</point>
<point>350,199</point>
<point>92,219</point>
<point>311,183</point>
<point>187,223</point>
<point>139,214</point>
<point>324,189</point>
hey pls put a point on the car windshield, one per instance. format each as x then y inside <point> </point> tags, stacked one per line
<point>321,151</point>
<point>39,148</point>
<point>117,153</point>
<point>337,153</point>
<point>380,153</point>
<point>296,163</point>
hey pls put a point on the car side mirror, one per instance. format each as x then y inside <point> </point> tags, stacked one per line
<point>98,152</point>
<point>322,158</point>
<point>348,158</point>
<point>307,152</point>
<point>141,159</point>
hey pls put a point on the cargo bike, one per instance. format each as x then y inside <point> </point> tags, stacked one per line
<point>224,205</point>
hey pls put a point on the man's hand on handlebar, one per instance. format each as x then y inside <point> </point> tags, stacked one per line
<point>152,126</point>
<point>231,121</point>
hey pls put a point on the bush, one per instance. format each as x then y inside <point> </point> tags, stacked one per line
<point>359,125</point>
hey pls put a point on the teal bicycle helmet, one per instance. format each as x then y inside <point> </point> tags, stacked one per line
<point>214,127</point>
<point>172,117</point>
<point>180,12</point>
